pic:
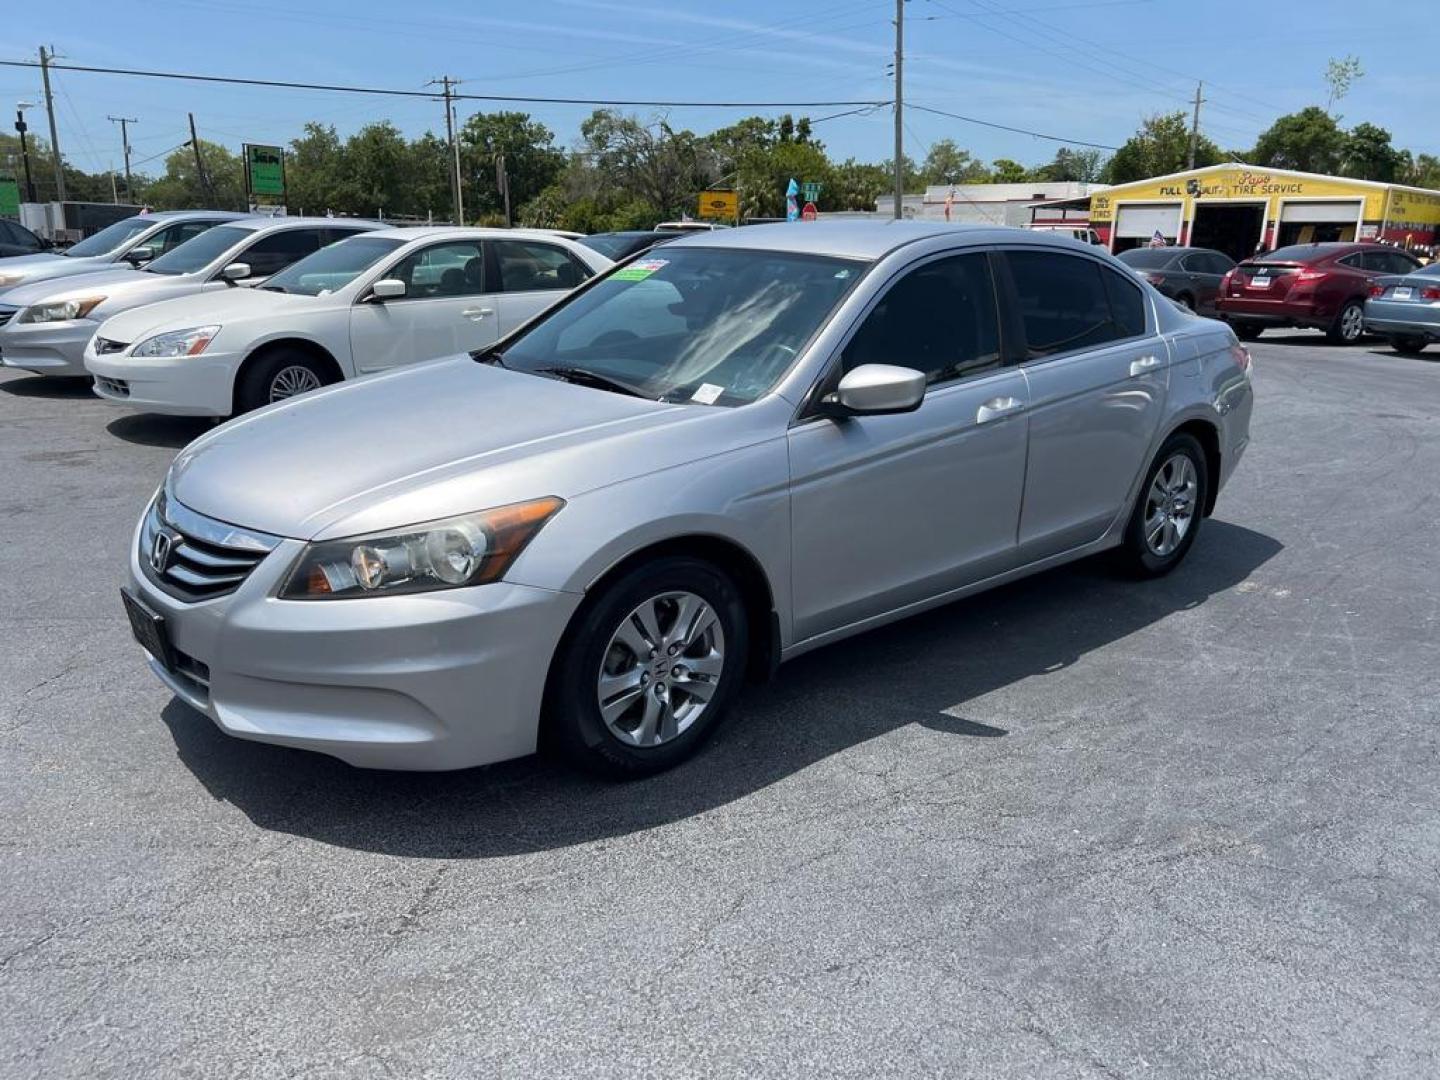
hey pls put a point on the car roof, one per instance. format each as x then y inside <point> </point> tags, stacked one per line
<point>172,215</point>
<point>256,223</point>
<point>850,239</point>
<point>1323,249</point>
<point>416,232</point>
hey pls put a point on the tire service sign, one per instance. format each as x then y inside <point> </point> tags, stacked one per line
<point>265,170</point>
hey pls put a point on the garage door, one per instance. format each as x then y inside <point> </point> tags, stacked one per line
<point>1330,212</point>
<point>1142,222</point>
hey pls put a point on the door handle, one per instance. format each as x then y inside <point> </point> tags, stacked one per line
<point>475,314</point>
<point>1144,364</point>
<point>995,408</point>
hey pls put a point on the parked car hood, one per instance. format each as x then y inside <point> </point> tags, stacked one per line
<point>105,279</point>
<point>46,266</point>
<point>201,309</point>
<point>433,440</point>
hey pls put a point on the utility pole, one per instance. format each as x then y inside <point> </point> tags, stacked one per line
<point>200,164</point>
<point>899,107</point>
<point>45,58</point>
<point>1195,126</point>
<point>502,179</point>
<point>447,84</point>
<point>22,127</point>
<point>125,122</point>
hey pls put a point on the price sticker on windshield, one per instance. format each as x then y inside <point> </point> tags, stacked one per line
<point>639,270</point>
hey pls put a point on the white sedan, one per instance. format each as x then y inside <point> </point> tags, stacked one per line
<point>367,304</point>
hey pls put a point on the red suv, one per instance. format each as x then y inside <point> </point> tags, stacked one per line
<point>1322,286</point>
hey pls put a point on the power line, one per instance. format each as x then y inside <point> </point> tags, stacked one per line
<point>1016,130</point>
<point>430,95</point>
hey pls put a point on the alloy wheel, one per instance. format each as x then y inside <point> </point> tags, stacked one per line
<point>1352,323</point>
<point>660,669</point>
<point>1170,505</point>
<point>292,380</point>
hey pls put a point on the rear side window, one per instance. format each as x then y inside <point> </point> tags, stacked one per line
<point>940,319</point>
<point>529,266</point>
<point>1066,302</point>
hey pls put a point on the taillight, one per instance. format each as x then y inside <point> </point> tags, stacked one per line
<point>1430,292</point>
<point>1309,275</point>
<point>1377,290</point>
<point>1241,355</point>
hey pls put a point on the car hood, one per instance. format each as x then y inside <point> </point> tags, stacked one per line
<point>46,266</point>
<point>105,279</point>
<point>433,440</point>
<point>213,306</point>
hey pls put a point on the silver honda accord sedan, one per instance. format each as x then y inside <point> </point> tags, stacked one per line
<point>721,454</point>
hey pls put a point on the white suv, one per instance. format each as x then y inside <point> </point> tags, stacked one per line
<point>373,302</point>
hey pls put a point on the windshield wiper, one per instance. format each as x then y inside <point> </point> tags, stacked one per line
<point>489,356</point>
<point>273,288</point>
<point>585,377</point>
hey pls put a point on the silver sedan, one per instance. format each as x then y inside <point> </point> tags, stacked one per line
<point>1406,309</point>
<point>720,455</point>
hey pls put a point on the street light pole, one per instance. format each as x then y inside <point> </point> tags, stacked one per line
<point>22,127</point>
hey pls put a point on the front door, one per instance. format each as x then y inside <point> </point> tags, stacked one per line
<point>446,309</point>
<point>1097,376</point>
<point>887,511</point>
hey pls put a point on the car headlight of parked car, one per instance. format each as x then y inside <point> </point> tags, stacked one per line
<point>61,310</point>
<point>190,342</point>
<point>468,550</point>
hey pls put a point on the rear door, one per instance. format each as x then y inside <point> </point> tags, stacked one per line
<point>1206,268</point>
<point>448,307</point>
<point>1098,375</point>
<point>531,275</point>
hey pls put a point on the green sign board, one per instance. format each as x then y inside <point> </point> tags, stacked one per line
<point>810,190</point>
<point>9,197</point>
<point>265,170</point>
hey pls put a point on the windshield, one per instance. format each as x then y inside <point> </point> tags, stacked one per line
<point>617,245</point>
<point>109,239</point>
<point>1146,258</point>
<point>332,267</point>
<point>199,252</point>
<point>712,326</point>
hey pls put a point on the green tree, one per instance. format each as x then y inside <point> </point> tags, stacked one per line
<point>314,170</point>
<point>947,163</point>
<point>1006,171</point>
<point>1340,75</point>
<point>1159,147</point>
<point>653,164</point>
<point>181,187</point>
<point>1368,155</point>
<point>856,185</point>
<point>1082,166</point>
<point>378,173</point>
<point>1422,170</point>
<point>532,161</point>
<point>1309,140</point>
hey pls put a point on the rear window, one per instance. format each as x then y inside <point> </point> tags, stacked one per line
<point>1146,258</point>
<point>1293,253</point>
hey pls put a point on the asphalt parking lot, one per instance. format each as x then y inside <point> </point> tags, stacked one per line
<point>1077,827</point>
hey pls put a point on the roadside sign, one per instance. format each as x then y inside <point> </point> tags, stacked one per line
<point>265,170</point>
<point>810,190</point>
<point>9,197</point>
<point>809,213</point>
<point>724,205</point>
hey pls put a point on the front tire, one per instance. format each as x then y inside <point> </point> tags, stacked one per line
<point>277,375</point>
<point>1408,346</point>
<point>1169,508</point>
<point>649,669</point>
<point>1349,324</point>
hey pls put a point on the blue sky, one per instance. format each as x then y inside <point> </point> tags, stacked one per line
<point>1077,69</point>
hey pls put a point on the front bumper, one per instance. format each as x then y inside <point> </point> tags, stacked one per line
<point>434,681</point>
<point>53,348</point>
<point>179,386</point>
<point>1399,317</point>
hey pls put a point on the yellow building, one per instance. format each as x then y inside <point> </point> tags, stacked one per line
<point>1238,208</point>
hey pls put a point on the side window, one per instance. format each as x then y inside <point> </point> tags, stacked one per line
<point>453,269</point>
<point>273,253</point>
<point>1127,305</point>
<point>1219,264</point>
<point>940,319</point>
<point>1397,262</point>
<point>1354,262</point>
<point>529,266</point>
<point>329,236</point>
<point>1194,264</point>
<point>175,235</point>
<point>1064,303</point>
<point>14,234</point>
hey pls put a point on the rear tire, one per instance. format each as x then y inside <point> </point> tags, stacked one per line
<point>1246,331</point>
<point>1168,510</point>
<point>648,670</point>
<point>1408,346</point>
<point>277,375</point>
<point>1349,324</point>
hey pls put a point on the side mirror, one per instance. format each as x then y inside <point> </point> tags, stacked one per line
<point>876,389</point>
<point>388,289</point>
<point>236,271</point>
<point>139,255</point>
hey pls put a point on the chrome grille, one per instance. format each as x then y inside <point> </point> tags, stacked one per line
<point>194,557</point>
<point>104,346</point>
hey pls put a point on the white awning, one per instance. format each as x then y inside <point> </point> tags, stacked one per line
<point>1143,221</point>
<point>1329,213</point>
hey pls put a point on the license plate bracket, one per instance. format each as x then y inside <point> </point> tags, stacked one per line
<point>149,630</point>
<point>1400,293</point>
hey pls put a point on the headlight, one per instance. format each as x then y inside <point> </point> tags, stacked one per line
<point>467,550</point>
<point>190,342</point>
<point>61,310</point>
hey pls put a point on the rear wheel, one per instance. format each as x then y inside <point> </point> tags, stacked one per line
<point>1349,324</point>
<point>1409,346</point>
<point>1186,301</point>
<point>649,669</point>
<point>1246,331</point>
<point>277,375</point>
<point>1169,509</point>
